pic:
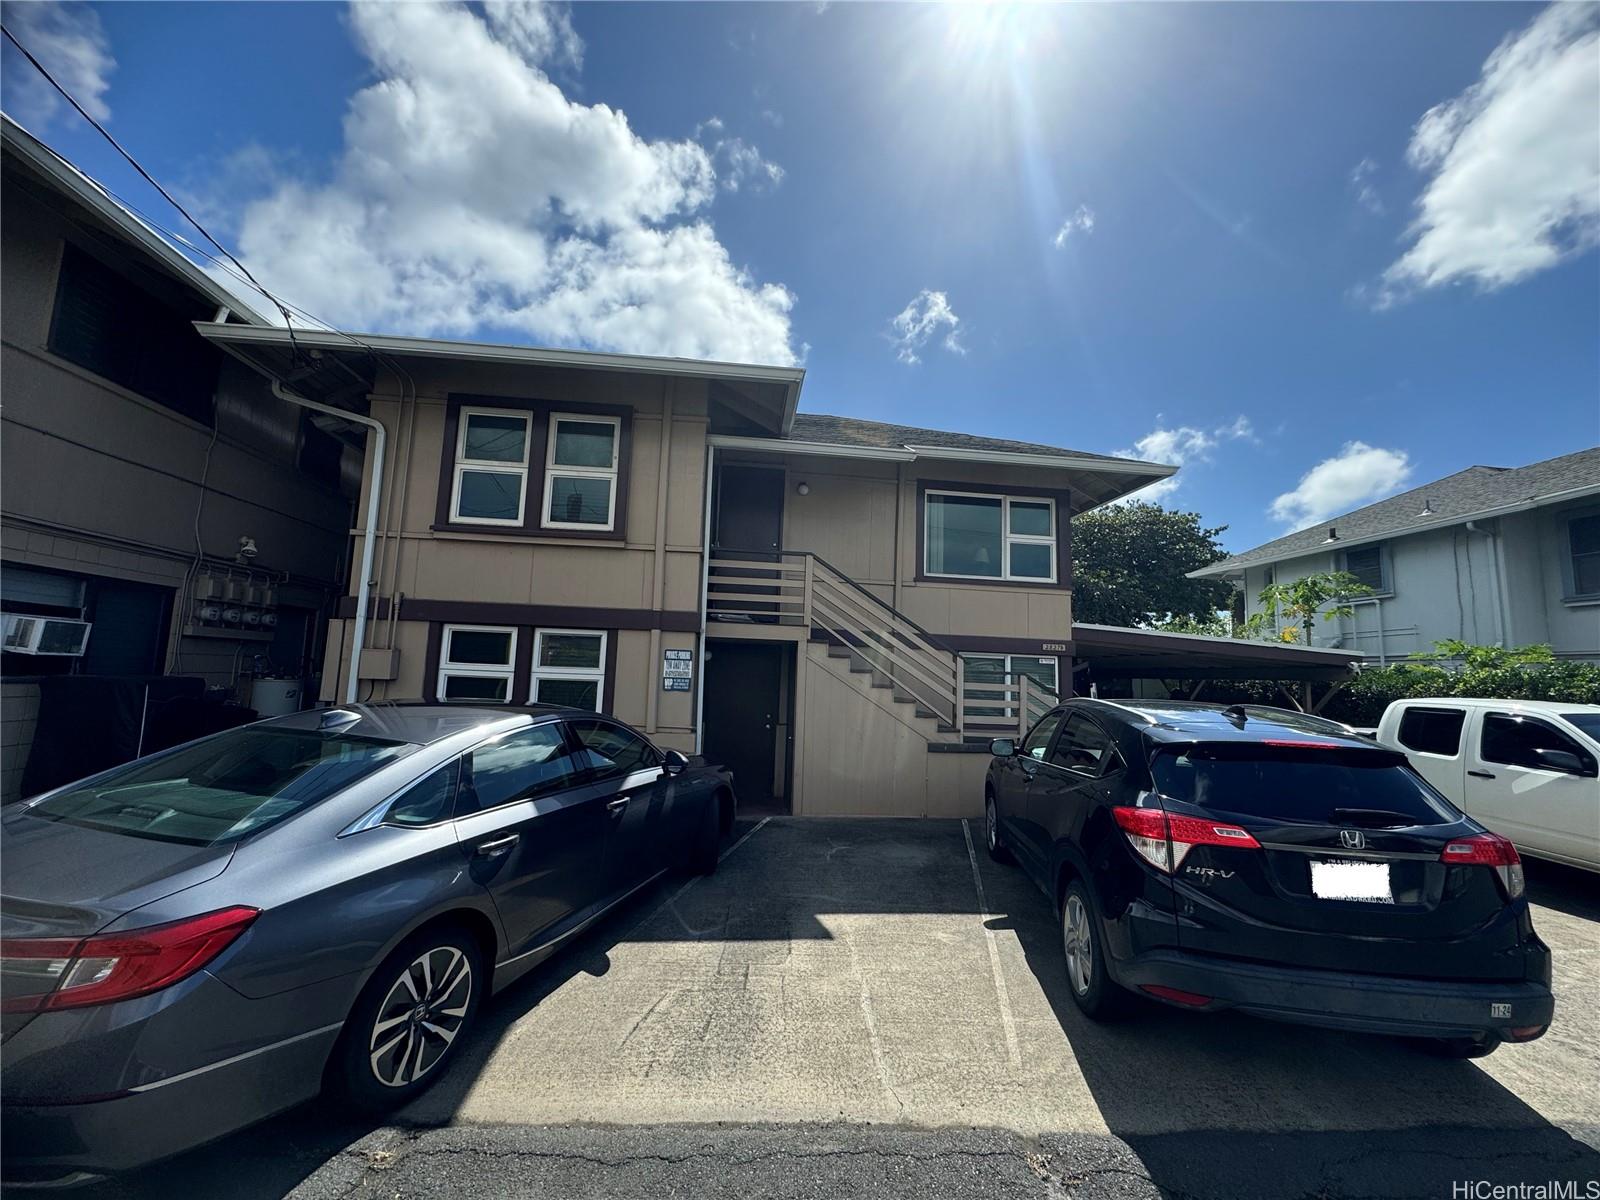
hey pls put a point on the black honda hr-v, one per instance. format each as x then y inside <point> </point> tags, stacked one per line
<point>1269,861</point>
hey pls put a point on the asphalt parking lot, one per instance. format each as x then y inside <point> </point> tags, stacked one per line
<point>875,1008</point>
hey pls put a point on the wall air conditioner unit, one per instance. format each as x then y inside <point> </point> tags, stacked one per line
<point>45,635</point>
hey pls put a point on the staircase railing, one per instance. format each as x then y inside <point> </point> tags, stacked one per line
<point>799,588</point>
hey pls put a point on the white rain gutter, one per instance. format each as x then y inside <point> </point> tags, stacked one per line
<point>358,637</point>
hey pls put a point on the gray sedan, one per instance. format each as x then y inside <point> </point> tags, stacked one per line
<point>202,938</point>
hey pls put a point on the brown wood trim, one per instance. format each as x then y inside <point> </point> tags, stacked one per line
<point>538,446</point>
<point>522,666</point>
<point>608,685</point>
<point>484,612</point>
<point>1063,499</point>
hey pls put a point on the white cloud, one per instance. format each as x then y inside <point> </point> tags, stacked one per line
<point>1080,220</point>
<point>72,44</point>
<point>740,163</point>
<point>1357,475</point>
<point>1513,163</point>
<point>922,320</point>
<point>1181,446</point>
<point>473,195</point>
<point>1361,184</point>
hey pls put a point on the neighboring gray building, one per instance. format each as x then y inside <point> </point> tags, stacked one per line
<point>1504,556</point>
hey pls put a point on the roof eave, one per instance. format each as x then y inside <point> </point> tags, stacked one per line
<point>1234,569</point>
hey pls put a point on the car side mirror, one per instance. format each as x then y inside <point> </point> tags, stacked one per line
<point>1003,748</point>
<point>1564,761</point>
<point>673,762</point>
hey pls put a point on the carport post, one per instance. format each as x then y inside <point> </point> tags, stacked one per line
<point>358,636</point>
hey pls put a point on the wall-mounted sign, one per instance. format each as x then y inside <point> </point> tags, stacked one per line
<point>677,670</point>
<point>1062,646</point>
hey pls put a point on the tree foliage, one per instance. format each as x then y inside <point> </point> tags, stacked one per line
<point>1129,563</point>
<point>1301,601</point>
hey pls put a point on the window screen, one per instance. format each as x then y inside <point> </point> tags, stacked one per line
<point>1584,533</point>
<point>1432,730</point>
<point>1366,564</point>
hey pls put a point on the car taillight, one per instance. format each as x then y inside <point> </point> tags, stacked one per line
<point>1488,850</point>
<point>75,972</point>
<point>1163,840</point>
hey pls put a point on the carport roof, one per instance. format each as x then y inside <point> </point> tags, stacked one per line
<point>1117,652</point>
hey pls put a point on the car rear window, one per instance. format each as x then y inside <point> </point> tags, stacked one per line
<point>1432,730</point>
<point>1299,786</point>
<point>223,788</point>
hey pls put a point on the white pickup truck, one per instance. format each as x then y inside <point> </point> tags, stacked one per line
<point>1528,769</point>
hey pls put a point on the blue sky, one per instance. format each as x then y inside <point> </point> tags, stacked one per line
<point>1317,253</point>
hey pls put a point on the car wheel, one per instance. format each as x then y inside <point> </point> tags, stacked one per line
<point>993,838</point>
<point>408,1023</point>
<point>1462,1047</point>
<point>1092,988</point>
<point>707,839</point>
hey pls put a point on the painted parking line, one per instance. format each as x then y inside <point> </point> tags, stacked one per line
<point>1001,993</point>
<point>673,899</point>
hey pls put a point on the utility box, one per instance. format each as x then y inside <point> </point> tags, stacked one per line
<point>380,664</point>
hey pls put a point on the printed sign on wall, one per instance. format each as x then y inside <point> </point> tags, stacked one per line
<point>677,670</point>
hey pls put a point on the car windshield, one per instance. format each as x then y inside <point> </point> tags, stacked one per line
<point>1588,722</point>
<point>1299,787</point>
<point>224,787</point>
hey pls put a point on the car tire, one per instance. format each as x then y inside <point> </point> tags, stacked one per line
<point>1462,1047</point>
<point>993,835</point>
<point>397,1040</point>
<point>1090,984</point>
<point>707,843</point>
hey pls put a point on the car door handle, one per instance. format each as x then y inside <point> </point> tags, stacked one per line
<point>1481,774</point>
<point>495,847</point>
<point>617,805</point>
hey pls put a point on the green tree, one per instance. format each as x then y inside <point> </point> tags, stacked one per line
<point>1130,562</point>
<point>1301,601</point>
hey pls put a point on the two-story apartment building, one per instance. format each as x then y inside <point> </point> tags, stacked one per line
<point>829,605</point>
<point>1490,555</point>
<point>163,514</point>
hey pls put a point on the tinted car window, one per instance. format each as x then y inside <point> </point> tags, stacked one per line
<point>222,788</point>
<point>1588,722</point>
<point>1514,740</point>
<point>1432,730</point>
<point>610,750</point>
<point>1082,747</point>
<point>1296,788</point>
<point>520,766</point>
<point>1038,741</point>
<point>430,799</point>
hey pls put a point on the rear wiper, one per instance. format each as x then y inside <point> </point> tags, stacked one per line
<point>1373,818</point>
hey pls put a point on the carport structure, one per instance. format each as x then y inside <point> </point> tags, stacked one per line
<point>1120,661</point>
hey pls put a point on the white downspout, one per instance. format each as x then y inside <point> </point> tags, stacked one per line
<point>364,588</point>
<point>705,573</point>
<point>1502,634</point>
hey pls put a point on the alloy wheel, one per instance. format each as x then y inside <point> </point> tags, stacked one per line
<point>421,1016</point>
<point>991,824</point>
<point>1077,944</point>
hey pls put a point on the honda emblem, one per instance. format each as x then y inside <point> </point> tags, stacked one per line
<point>1352,839</point>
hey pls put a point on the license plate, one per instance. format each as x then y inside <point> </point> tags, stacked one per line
<point>1360,881</point>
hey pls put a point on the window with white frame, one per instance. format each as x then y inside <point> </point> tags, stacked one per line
<point>491,472</point>
<point>569,667</point>
<point>476,663</point>
<point>580,482</point>
<point>974,535</point>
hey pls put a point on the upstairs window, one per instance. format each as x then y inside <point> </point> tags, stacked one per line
<point>1583,539</point>
<point>107,324</point>
<point>491,470</point>
<point>970,535</point>
<point>1369,564</point>
<point>580,488</point>
<point>476,663</point>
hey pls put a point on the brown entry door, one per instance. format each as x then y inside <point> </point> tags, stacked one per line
<point>749,509</point>
<point>743,682</point>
